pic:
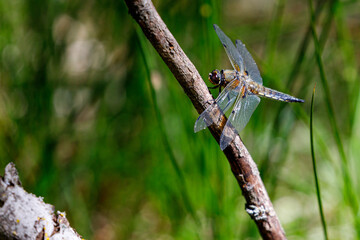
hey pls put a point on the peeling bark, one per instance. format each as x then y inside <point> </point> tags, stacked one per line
<point>25,216</point>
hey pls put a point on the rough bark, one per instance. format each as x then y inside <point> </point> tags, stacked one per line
<point>25,216</point>
<point>258,204</point>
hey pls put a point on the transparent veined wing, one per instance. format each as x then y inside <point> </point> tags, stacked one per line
<point>230,49</point>
<point>224,101</point>
<point>249,63</point>
<point>239,117</point>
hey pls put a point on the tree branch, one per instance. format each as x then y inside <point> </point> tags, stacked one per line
<point>258,204</point>
<point>25,216</point>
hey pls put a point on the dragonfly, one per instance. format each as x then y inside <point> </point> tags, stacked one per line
<point>243,87</point>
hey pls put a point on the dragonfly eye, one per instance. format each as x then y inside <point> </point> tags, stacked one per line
<point>214,77</point>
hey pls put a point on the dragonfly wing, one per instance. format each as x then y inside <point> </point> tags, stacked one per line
<point>249,63</point>
<point>233,54</point>
<point>239,117</point>
<point>223,102</point>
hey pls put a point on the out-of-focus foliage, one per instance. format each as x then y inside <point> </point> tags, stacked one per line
<point>78,117</point>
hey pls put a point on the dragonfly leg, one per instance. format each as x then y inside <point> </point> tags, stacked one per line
<point>217,86</point>
<point>211,101</point>
<point>214,87</point>
<point>228,103</point>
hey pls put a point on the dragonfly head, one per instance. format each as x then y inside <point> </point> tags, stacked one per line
<point>215,77</point>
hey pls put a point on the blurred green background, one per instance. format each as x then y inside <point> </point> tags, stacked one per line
<point>97,125</point>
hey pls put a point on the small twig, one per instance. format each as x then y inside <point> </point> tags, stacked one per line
<point>258,204</point>
<point>25,216</point>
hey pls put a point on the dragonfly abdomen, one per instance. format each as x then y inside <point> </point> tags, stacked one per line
<point>273,94</point>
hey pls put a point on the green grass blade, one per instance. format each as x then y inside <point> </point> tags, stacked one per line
<point>323,222</point>
<point>348,185</point>
<point>295,71</point>
<point>165,140</point>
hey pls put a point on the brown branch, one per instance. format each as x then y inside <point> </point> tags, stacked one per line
<point>25,216</point>
<point>258,204</point>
